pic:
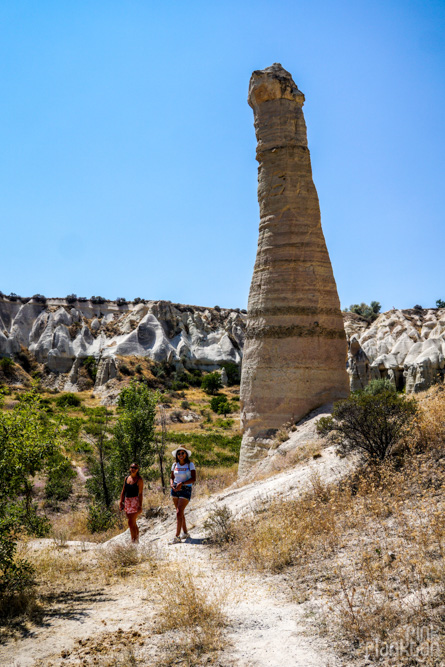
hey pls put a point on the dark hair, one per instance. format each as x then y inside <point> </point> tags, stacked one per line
<point>187,460</point>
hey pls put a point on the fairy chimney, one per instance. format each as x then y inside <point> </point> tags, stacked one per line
<point>295,350</point>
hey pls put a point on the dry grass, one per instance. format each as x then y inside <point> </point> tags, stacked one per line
<point>74,526</point>
<point>368,553</point>
<point>213,480</point>
<point>121,560</point>
<point>191,616</point>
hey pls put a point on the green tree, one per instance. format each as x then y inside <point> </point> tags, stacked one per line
<point>211,383</point>
<point>371,421</point>
<point>134,429</point>
<point>440,303</point>
<point>100,484</point>
<point>221,405</point>
<point>28,445</point>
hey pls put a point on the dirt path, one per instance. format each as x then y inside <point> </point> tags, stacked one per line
<point>265,627</point>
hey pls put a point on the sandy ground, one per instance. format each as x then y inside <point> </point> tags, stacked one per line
<point>265,627</point>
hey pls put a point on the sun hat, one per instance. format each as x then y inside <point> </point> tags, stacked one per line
<point>181,449</point>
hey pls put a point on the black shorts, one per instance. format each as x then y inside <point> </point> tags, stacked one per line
<point>184,492</point>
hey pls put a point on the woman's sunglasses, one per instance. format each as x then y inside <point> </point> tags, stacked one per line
<point>133,467</point>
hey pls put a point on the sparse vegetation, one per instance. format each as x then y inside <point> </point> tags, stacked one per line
<point>68,400</point>
<point>371,421</point>
<point>370,312</point>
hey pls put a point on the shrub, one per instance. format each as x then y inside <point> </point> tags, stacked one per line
<point>440,303</point>
<point>39,298</point>
<point>125,370</point>
<point>59,483</point>
<point>220,526</point>
<point>417,307</point>
<point>24,360</point>
<point>185,405</point>
<point>120,301</point>
<point>370,312</point>
<point>217,308</point>
<point>220,405</point>
<point>13,296</point>
<point>97,299</point>
<point>71,298</point>
<point>90,364</point>
<point>6,365</point>
<point>68,400</point>
<point>211,383</point>
<point>100,518</point>
<point>368,422</point>
<point>138,368</point>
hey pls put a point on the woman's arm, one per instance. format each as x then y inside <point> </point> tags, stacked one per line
<point>192,479</point>
<point>122,499</point>
<point>172,479</point>
<point>141,492</point>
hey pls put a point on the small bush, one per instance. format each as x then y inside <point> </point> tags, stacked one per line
<point>39,298</point>
<point>6,365</point>
<point>71,298</point>
<point>121,559</point>
<point>68,400</point>
<point>440,303</point>
<point>90,364</point>
<point>97,299</point>
<point>100,518</point>
<point>370,312</point>
<point>185,405</point>
<point>219,526</point>
<point>221,405</point>
<point>125,370</point>
<point>370,421</point>
<point>211,383</point>
<point>120,301</point>
<point>138,368</point>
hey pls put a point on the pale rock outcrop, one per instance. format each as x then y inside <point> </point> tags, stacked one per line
<point>60,335</point>
<point>295,349</point>
<point>106,370</point>
<point>405,346</point>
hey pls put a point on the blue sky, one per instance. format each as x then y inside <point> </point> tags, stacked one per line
<point>127,163</point>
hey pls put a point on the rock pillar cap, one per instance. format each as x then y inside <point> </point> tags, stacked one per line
<point>273,83</point>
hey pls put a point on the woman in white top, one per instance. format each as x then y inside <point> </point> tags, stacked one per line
<point>183,475</point>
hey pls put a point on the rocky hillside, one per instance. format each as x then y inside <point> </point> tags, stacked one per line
<point>407,346</point>
<point>62,335</point>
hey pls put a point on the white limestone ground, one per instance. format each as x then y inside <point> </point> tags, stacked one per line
<point>264,626</point>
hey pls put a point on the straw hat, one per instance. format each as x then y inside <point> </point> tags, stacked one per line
<point>181,449</point>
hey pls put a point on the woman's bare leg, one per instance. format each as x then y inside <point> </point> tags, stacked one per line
<point>182,504</point>
<point>134,530</point>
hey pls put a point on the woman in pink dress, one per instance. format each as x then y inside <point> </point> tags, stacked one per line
<point>131,500</point>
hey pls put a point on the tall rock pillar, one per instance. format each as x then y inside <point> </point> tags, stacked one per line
<point>295,350</point>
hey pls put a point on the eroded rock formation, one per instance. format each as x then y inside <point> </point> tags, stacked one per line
<point>61,335</point>
<point>295,349</point>
<point>405,346</point>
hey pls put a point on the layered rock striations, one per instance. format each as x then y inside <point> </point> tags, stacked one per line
<point>295,349</point>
